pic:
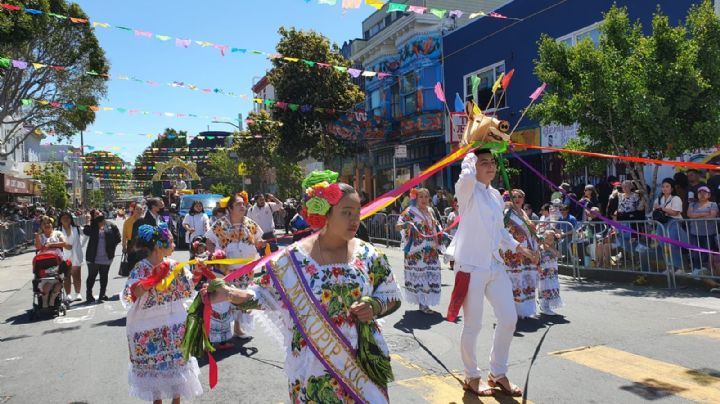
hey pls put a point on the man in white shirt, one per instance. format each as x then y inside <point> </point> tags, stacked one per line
<point>481,273</point>
<point>262,214</point>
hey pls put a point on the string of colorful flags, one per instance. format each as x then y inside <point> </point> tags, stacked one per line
<point>6,62</point>
<point>130,111</point>
<point>186,43</point>
<point>392,7</point>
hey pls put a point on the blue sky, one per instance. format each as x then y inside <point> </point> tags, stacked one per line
<point>248,24</point>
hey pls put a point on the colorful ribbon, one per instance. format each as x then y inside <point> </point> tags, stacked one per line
<point>613,223</point>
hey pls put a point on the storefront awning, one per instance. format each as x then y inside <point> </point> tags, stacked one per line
<point>19,186</point>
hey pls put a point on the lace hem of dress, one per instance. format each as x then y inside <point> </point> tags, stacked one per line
<point>425,299</point>
<point>272,323</point>
<point>182,383</point>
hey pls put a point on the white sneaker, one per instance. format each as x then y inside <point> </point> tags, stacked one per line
<point>78,297</point>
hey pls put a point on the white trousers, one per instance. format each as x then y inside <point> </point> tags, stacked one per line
<point>493,284</point>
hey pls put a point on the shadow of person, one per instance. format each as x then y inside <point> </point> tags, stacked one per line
<point>417,320</point>
<point>533,324</point>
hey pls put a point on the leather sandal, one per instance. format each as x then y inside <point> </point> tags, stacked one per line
<point>488,392</point>
<point>512,391</point>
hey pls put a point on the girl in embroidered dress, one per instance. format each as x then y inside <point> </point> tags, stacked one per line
<point>548,283</point>
<point>419,229</point>
<point>345,283</point>
<point>523,273</point>
<point>238,237</point>
<point>156,324</point>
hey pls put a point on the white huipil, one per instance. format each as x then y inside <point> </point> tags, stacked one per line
<point>476,248</point>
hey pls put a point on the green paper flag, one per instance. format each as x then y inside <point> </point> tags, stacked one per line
<point>438,12</point>
<point>25,101</point>
<point>4,62</point>
<point>340,68</point>
<point>82,107</point>
<point>309,63</point>
<point>396,7</point>
<point>121,110</point>
<point>475,80</point>
<point>124,28</point>
<point>294,107</point>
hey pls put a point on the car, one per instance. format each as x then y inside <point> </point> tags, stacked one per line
<point>209,202</point>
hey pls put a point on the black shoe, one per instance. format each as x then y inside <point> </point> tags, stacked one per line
<point>89,299</point>
<point>104,298</point>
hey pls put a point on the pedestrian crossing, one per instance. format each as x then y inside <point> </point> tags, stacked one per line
<point>664,378</point>
<point>699,385</point>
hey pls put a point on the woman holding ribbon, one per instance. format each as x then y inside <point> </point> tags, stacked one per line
<point>238,237</point>
<point>323,294</point>
<point>421,240</point>
<point>156,323</point>
<point>523,272</point>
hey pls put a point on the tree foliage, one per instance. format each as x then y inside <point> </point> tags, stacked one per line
<point>48,40</point>
<point>305,134</point>
<point>634,94</point>
<point>54,191</point>
<point>97,198</point>
<point>223,170</point>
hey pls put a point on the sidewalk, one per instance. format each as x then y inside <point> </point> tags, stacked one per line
<point>15,272</point>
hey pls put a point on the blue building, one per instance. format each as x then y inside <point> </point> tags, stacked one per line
<point>487,47</point>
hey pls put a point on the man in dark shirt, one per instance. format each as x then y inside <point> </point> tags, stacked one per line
<point>694,183</point>
<point>714,185</point>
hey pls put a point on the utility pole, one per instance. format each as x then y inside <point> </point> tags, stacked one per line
<point>83,191</point>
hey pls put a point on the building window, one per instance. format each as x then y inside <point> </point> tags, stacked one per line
<point>487,75</point>
<point>591,31</point>
<point>408,88</point>
<point>395,94</point>
<point>375,104</point>
<point>429,76</point>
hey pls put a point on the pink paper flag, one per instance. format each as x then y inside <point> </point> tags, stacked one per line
<point>496,15</point>
<point>19,64</point>
<point>182,43</point>
<point>325,65</point>
<point>417,9</point>
<point>536,94</point>
<point>354,72</point>
<point>222,48</point>
<point>439,92</point>
<point>382,75</point>
<point>350,4</point>
<point>143,33</point>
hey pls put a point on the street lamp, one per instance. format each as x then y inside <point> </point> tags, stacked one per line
<point>239,127</point>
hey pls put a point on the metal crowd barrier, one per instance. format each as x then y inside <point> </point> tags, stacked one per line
<point>15,236</point>
<point>698,232</point>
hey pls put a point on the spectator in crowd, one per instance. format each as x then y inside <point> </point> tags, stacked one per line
<point>440,201</point>
<point>604,189</point>
<point>104,238</point>
<point>290,211</point>
<point>527,208</point>
<point>613,200</point>
<point>588,201</point>
<point>217,213</point>
<point>566,228</point>
<point>136,214</point>
<point>51,241</point>
<point>152,214</point>
<point>196,223</point>
<point>703,233</point>
<point>73,253</point>
<point>630,208</point>
<point>714,185</point>
<point>694,182</point>
<point>671,207</point>
<point>262,214</point>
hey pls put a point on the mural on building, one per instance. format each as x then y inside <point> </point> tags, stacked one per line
<point>427,47</point>
<point>357,126</point>
<point>421,123</point>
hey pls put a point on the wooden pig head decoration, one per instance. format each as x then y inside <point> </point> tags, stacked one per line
<point>484,128</point>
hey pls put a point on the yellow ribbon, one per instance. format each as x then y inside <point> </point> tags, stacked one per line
<point>165,283</point>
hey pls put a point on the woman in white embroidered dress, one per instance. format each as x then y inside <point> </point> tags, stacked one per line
<point>73,252</point>
<point>422,252</point>
<point>196,223</point>
<point>239,237</point>
<point>523,272</point>
<point>156,325</point>
<point>350,280</point>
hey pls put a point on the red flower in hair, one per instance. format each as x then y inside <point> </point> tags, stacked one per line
<point>304,213</point>
<point>316,221</point>
<point>218,255</point>
<point>333,194</point>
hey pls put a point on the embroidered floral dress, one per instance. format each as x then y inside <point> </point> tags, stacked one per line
<point>422,256</point>
<point>523,273</point>
<point>155,328</point>
<point>336,287</point>
<point>238,241</point>
<point>548,283</point>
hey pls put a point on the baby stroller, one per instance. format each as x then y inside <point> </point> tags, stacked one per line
<point>49,269</point>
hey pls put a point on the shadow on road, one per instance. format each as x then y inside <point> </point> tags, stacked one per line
<point>417,320</point>
<point>532,324</point>
<point>118,322</point>
<point>240,348</point>
<point>651,389</point>
<point>19,319</point>
<point>61,330</point>
<point>13,338</point>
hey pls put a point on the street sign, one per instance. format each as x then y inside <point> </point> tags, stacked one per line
<point>458,122</point>
<point>242,169</point>
<point>401,151</point>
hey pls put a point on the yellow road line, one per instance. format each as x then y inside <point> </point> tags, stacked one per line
<point>691,384</point>
<point>709,332</point>
<point>442,389</point>
<point>410,365</point>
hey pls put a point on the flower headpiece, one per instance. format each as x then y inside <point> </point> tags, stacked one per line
<point>321,193</point>
<point>223,203</point>
<point>160,235</point>
<point>244,196</point>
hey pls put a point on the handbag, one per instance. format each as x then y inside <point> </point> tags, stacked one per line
<point>124,266</point>
<point>658,215</point>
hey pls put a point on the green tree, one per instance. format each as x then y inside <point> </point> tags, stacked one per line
<point>52,179</point>
<point>223,170</point>
<point>575,163</point>
<point>656,95</point>
<point>305,134</point>
<point>48,40</point>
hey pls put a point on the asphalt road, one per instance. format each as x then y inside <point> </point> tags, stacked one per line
<point>614,343</point>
